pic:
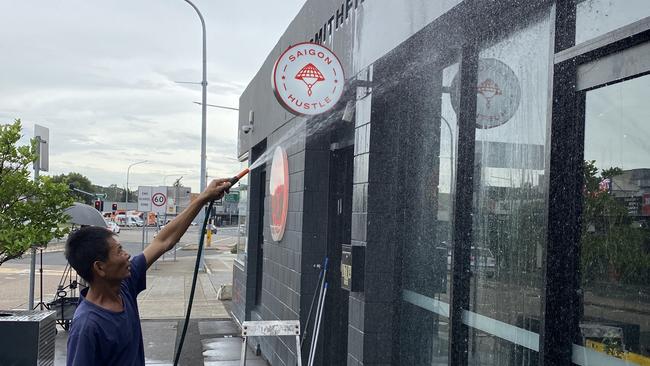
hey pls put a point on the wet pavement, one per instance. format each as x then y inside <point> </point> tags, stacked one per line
<point>212,337</point>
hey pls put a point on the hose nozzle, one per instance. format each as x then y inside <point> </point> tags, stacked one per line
<point>237,177</point>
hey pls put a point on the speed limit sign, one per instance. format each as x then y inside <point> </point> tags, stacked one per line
<point>159,200</point>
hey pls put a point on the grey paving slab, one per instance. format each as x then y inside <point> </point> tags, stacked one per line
<point>219,328</point>
<point>159,340</point>
<point>60,346</point>
<point>164,287</point>
<point>191,354</point>
<point>220,263</point>
<point>222,349</point>
<point>235,363</point>
<point>225,350</point>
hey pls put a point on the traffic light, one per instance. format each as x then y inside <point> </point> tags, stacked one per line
<point>99,205</point>
<point>114,208</point>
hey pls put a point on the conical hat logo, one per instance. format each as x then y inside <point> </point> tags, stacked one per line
<point>497,93</point>
<point>308,79</point>
<point>488,89</point>
<point>310,75</point>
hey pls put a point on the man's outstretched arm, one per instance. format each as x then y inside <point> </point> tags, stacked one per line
<point>172,232</point>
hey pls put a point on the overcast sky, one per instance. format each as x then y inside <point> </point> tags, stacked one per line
<point>101,75</point>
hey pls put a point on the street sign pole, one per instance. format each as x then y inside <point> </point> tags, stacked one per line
<point>144,226</point>
<point>144,205</point>
<point>158,204</point>
<point>32,263</point>
<point>41,135</point>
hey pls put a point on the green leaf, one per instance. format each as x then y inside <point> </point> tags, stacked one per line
<point>31,212</point>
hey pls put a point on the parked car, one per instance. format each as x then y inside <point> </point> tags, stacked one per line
<point>134,221</point>
<point>129,221</point>
<point>112,226</point>
<point>481,261</point>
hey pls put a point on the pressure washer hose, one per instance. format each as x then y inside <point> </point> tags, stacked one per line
<point>177,356</point>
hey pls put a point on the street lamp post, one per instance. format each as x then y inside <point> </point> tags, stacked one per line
<point>126,192</point>
<point>218,106</point>
<point>171,175</point>
<point>204,85</point>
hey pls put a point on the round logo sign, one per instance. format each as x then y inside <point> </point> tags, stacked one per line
<point>158,199</point>
<point>279,189</point>
<point>497,93</point>
<point>308,79</point>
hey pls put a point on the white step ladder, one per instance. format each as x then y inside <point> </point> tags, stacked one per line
<point>270,328</point>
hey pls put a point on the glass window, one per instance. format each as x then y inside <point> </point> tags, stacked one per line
<point>597,17</point>
<point>430,160</point>
<point>242,207</point>
<point>615,245</point>
<point>509,226</point>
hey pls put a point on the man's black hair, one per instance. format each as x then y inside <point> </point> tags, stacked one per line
<point>85,246</point>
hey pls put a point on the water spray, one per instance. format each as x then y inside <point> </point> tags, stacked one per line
<point>232,181</point>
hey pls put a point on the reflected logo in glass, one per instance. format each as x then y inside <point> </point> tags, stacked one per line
<point>498,93</point>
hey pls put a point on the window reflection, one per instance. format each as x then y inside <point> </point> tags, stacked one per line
<point>597,17</point>
<point>615,247</point>
<point>424,310</point>
<point>509,228</point>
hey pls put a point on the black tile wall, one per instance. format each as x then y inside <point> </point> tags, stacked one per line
<point>356,315</point>
<point>353,361</point>
<point>290,278</point>
<point>383,165</point>
<point>382,345</point>
<point>296,181</point>
<point>381,257</point>
<point>361,168</point>
<point>371,314</point>
<point>359,225</point>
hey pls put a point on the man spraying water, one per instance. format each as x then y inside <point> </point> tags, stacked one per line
<point>106,325</point>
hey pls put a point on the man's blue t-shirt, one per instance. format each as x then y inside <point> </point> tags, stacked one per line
<point>102,337</point>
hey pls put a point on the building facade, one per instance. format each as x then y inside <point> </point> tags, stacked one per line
<point>481,191</point>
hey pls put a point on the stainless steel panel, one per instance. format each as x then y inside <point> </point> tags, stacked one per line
<point>615,67</point>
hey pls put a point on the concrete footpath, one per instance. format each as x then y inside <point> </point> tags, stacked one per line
<point>212,337</point>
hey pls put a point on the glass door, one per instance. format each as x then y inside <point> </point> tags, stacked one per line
<point>428,150</point>
<point>615,232</point>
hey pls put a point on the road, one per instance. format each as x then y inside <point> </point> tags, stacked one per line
<point>131,240</point>
<point>14,274</point>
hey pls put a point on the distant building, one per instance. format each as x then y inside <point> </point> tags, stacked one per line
<point>226,210</point>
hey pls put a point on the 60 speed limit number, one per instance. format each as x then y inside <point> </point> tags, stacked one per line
<point>159,199</point>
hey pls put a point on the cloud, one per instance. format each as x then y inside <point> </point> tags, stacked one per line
<point>102,77</point>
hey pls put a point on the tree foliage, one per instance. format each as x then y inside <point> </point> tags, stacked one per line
<point>79,181</point>
<point>517,237</point>
<point>31,212</point>
<point>614,247</point>
<point>113,192</point>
